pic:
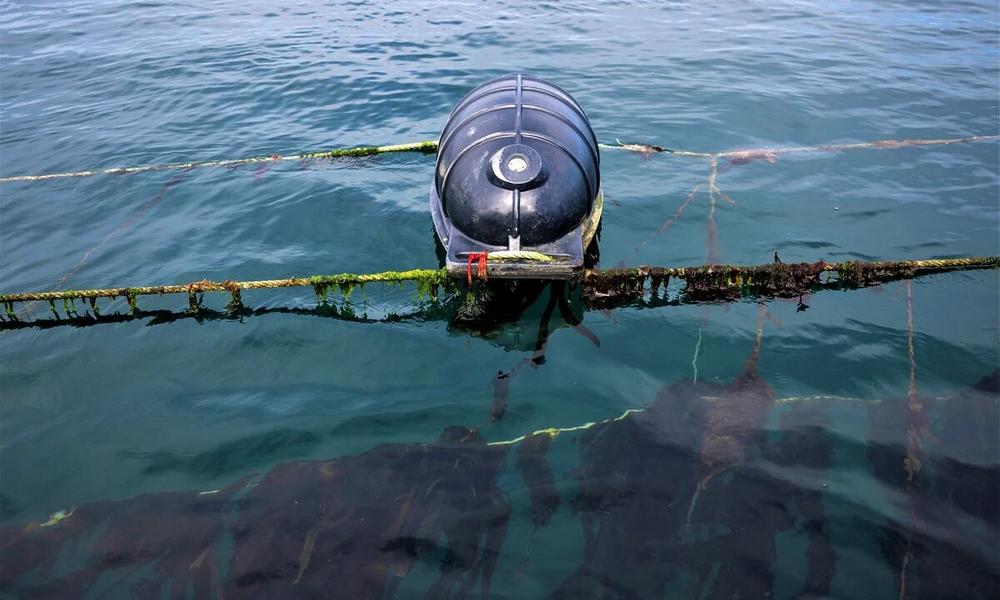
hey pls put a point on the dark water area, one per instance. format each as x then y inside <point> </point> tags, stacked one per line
<point>845,444</point>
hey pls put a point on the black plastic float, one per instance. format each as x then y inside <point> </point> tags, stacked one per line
<point>517,181</point>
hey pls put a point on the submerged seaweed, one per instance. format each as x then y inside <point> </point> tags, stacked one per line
<point>951,520</point>
<point>358,526</point>
<point>537,476</point>
<point>637,478</point>
<point>172,533</point>
<point>364,521</point>
<point>361,522</point>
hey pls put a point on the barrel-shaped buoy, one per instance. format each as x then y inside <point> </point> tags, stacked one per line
<point>517,159</point>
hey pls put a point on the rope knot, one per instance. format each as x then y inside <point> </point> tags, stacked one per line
<point>480,259</point>
<point>199,286</point>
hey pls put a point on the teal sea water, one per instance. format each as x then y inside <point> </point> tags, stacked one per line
<point>120,424</point>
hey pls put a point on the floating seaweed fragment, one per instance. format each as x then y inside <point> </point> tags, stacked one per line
<point>646,150</point>
<point>742,157</point>
<point>131,296</point>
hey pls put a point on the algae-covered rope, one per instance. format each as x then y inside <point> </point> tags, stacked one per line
<point>430,146</point>
<point>702,281</point>
<point>425,147</point>
<point>425,276</point>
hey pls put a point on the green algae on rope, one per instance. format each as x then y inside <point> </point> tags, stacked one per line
<point>429,276</point>
<point>600,287</point>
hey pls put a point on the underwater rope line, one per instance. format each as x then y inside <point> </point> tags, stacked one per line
<point>553,432</point>
<point>703,282</point>
<point>431,146</point>
<point>916,428</point>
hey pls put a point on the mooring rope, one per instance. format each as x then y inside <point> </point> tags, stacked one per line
<point>552,432</point>
<point>705,282</point>
<point>430,146</point>
<point>915,423</point>
<point>425,147</point>
<point>771,154</point>
<point>519,255</point>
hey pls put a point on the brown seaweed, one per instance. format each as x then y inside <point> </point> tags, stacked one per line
<point>344,528</point>
<point>953,521</point>
<point>358,526</point>
<point>634,480</point>
<point>173,532</point>
<point>806,447</point>
<point>637,475</point>
<point>733,416</point>
<point>743,517</point>
<point>350,527</point>
<point>946,547</point>
<point>965,451</point>
<point>537,476</point>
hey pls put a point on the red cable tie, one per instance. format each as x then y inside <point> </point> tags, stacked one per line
<point>480,259</point>
<point>482,264</point>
